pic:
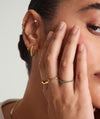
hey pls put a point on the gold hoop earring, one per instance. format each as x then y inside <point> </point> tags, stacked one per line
<point>32,53</point>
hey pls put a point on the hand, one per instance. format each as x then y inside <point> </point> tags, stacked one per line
<point>66,100</point>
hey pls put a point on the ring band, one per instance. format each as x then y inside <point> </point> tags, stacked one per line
<point>47,81</point>
<point>61,81</point>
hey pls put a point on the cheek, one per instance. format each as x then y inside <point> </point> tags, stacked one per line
<point>93,65</point>
<point>93,55</point>
<point>91,49</point>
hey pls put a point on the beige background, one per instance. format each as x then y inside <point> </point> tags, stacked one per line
<point>13,73</point>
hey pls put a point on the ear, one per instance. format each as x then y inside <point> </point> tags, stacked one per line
<point>33,30</point>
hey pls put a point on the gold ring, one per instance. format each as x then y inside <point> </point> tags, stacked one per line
<point>47,81</point>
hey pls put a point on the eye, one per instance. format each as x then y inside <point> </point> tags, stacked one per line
<point>94,29</point>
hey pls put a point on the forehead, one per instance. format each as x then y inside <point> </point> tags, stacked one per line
<point>80,1</point>
<point>68,10</point>
<point>68,7</point>
<point>75,4</point>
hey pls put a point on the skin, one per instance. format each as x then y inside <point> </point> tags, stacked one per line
<point>35,97</point>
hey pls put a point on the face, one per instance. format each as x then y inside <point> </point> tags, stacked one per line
<point>87,17</point>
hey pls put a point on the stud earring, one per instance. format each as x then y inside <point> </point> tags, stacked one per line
<point>32,53</point>
<point>35,21</point>
<point>23,24</point>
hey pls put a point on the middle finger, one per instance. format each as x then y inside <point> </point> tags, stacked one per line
<point>66,72</point>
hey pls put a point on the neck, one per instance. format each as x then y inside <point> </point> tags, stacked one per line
<point>33,105</point>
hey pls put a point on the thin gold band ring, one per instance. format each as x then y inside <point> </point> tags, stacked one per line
<point>47,81</point>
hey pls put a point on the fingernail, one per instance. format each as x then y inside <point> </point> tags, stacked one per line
<point>60,26</point>
<point>50,34</point>
<point>81,48</point>
<point>75,29</point>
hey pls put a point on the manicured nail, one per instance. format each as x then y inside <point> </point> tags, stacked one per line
<point>75,29</point>
<point>50,34</point>
<point>60,26</point>
<point>81,48</point>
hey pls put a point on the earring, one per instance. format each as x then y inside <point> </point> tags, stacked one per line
<point>35,21</point>
<point>32,53</point>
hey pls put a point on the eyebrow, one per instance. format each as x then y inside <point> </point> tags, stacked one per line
<point>91,6</point>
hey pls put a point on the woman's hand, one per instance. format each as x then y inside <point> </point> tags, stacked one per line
<point>66,100</point>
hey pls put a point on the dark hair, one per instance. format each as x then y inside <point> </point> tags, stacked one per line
<point>46,9</point>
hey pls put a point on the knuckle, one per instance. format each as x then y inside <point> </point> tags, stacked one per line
<point>78,75</point>
<point>66,105</point>
<point>69,41</point>
<point>66,100</point>
<point>50,58</point>
<point>81,75</point>
<point>63,64</point>
<point>79,59</point>
<point>55,36</point>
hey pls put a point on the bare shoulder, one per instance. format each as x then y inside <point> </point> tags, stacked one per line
<point>6,110</point>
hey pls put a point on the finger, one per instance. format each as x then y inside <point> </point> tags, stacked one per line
<point>81,80</point>
<point>46,43</point>
<point>41,62</point>
<point>48,39</point>
<point>53,53</point>
<point>42,54</point>
<point>67,59</point>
